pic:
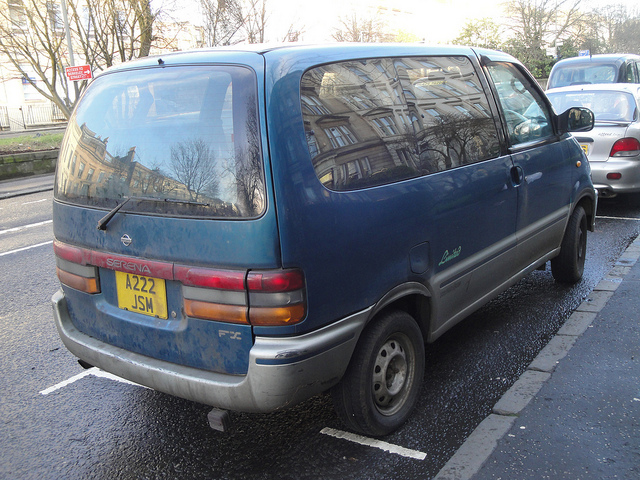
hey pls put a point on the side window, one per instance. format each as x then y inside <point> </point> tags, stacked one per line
<point>631,74</point>
<point>358,128</point>
<point>377,121</point>
<point>525,113</point>
<point>453,122</point>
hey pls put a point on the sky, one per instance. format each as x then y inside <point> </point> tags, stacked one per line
<point>433,21</point>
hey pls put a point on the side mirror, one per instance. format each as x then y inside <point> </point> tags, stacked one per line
<point>576,119</point>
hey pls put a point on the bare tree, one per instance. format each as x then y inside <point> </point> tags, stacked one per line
<point>357,28</point>
<point>293,34</point>
<point>626,38</point>
<point>194,164</point>
<point>620,28</point>
<point>112,31</point>
<point>246,169</point>
<point>255,20</point>
<point>482,32</point>
<point>228,22</point>
<point>31,38</point>
<point>537,24</point>
<point>222,21</point>
<point>104,32</point>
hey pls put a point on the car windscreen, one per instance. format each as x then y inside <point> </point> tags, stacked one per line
<point>181,141</point>
<point>564,76</point>
<point>606,105</point>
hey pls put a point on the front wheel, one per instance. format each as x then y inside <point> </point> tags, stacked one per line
<point>568,266</point>
<point>381,384</point>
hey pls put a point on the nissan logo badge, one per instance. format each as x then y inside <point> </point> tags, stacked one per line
<point>126,240</point>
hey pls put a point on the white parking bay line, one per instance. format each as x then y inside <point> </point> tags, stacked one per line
<point>23,227</point>
<point>58,386</point>
<point>618,218</point>
<point>370,442</point>
<point>96,372</point>
<point>37,201</point>
<point>26,248</point>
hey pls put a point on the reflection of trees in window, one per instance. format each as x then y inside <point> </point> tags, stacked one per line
<point>148,182</point>
<point>246,168</point>
<point>193,163</point>
<point>432,127</point>
<point>454,140</point>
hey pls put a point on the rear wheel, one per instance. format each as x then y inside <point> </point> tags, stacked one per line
<point>568,266</point>
<point>381,385</point>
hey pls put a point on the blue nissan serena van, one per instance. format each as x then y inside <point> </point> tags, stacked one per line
<point>249,228</point>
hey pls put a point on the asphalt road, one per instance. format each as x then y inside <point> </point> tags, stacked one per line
<point>60,421</point>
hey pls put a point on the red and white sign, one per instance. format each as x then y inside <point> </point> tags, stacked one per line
<point>79,72</point>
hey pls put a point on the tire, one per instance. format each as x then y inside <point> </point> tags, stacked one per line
<point>568,266</point>
<point>382,382</point>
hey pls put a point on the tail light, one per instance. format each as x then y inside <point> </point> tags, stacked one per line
<point>213,294</point>
<point>259,298</point>
<point>269,298</point>
<point>276,298</point>
<point>625,147</point>
<point>72,271</point>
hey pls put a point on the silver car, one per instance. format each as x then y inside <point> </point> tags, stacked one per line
<point>613,146</point>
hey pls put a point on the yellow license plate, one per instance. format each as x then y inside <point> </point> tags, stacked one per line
<point>585,147</point>
<point>146,295</point>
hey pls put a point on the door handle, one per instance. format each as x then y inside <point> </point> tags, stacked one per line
<point>517,175</point>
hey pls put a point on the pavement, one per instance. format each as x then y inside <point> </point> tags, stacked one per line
<point>26,185</point>
<point>575,412</point>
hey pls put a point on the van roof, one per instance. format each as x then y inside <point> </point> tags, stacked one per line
<point>300,50</point>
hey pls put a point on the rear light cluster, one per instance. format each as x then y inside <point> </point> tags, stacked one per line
<point>625,147</point>
<point>73,270</point>
<point>259,298</point>
<point>80,277</point>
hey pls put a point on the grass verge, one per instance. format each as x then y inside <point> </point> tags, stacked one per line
<point>30,142</point>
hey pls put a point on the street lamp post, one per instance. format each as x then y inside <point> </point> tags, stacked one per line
<point>67,32</point>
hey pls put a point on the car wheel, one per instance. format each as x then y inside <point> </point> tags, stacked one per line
<point>568,266</point>
<point>383,379</point>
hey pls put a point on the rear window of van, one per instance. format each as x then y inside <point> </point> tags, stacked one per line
<point>181,141</point>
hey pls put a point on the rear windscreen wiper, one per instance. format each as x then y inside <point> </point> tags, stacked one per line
<point>102,223</point>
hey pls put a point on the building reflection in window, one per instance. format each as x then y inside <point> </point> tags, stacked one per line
<point>353,111</point>
<point>181,141</point>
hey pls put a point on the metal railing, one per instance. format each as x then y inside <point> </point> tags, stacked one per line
<point>30,116</point>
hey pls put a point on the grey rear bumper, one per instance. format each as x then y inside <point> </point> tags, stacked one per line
<point>282,371</point>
